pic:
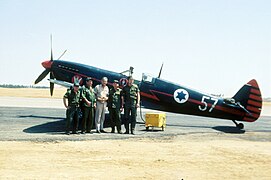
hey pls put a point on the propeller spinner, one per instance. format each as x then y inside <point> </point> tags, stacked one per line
<point>47,65</point>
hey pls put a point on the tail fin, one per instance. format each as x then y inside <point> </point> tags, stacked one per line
<point>250,97</point>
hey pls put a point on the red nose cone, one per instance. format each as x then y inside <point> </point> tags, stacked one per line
<point>47,64</point>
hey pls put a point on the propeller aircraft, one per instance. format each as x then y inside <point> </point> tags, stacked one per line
<point>159,94</point>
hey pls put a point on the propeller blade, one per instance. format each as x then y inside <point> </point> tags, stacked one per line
<point>42,76</point>
<point>51,48</point>
<point>52,84</point>
<point>52,88</point>
<point>161,70</point>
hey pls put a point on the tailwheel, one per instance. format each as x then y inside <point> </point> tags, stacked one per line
<point>238,125</point>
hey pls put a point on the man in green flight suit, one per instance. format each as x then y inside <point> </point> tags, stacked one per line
<point>89,103</point>
<point>115,106</point>
<point>131,100</point>
<point>73,97</point>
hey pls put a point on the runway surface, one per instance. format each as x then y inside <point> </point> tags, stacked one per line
<point>48,124</point>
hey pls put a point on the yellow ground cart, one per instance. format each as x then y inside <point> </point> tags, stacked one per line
<point>155,120</point>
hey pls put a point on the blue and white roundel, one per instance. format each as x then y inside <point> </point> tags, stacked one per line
<point>181,95</point>
<point>123,82</point>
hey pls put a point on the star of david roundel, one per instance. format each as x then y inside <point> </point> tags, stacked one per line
<point>181,96</point>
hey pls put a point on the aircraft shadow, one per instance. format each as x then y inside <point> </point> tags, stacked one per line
<point>58,126</point>
<point>229,129</point>
<point>54,127</point>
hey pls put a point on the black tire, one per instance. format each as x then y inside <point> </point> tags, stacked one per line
<point>163,128</point>
<point>147,128</point>
<point>240,126</point>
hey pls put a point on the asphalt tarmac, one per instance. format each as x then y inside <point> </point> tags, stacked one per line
<point>48,125</point>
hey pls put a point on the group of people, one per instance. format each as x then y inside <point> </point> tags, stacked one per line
<point>93,103</point>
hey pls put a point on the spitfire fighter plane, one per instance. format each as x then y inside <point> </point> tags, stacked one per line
<point>159,94</point>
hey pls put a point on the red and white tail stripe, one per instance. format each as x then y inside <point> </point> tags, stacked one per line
<point>254,102</point>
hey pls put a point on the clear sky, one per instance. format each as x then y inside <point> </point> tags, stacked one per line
<point>214,46</point>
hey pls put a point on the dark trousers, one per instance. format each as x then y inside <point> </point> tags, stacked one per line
<point>72,116</point>
<point>115,119</point>
<point>127,111</point>
<point>88,118</point>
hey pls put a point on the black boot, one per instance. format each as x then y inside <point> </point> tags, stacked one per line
<point>113,130</point>
<point>132,129</point>
<point>119,130</point>
<point>127,129</point>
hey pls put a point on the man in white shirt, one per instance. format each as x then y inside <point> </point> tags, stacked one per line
<point>101,91</point>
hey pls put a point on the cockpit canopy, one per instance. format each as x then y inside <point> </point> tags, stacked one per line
<point>148,78</point>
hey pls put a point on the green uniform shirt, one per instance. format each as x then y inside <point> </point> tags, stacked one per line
<point>114,100</point>
<point>88,93</point>
<point>73,98</point>
<point>130,95</point>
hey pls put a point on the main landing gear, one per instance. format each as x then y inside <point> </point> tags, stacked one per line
<point>238,125</point>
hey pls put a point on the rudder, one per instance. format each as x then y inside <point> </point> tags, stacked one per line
<point>250,97</point>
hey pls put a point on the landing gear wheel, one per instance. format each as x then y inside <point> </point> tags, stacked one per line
<point>147,128</point>
<point>163,128</point>
<point>240,126</point>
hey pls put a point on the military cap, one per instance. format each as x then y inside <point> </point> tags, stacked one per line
<point>130,77</point>
<point>88,78</point>
<point>116,81</point>
<point>76,84</point>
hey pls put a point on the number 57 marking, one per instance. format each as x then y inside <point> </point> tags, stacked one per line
<point>204,105</point>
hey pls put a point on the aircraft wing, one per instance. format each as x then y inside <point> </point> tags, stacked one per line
<point>61,83</point>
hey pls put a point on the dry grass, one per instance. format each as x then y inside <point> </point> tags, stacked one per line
<point>32,92</point>
<point>123,159</point>
<point>267,103</point>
